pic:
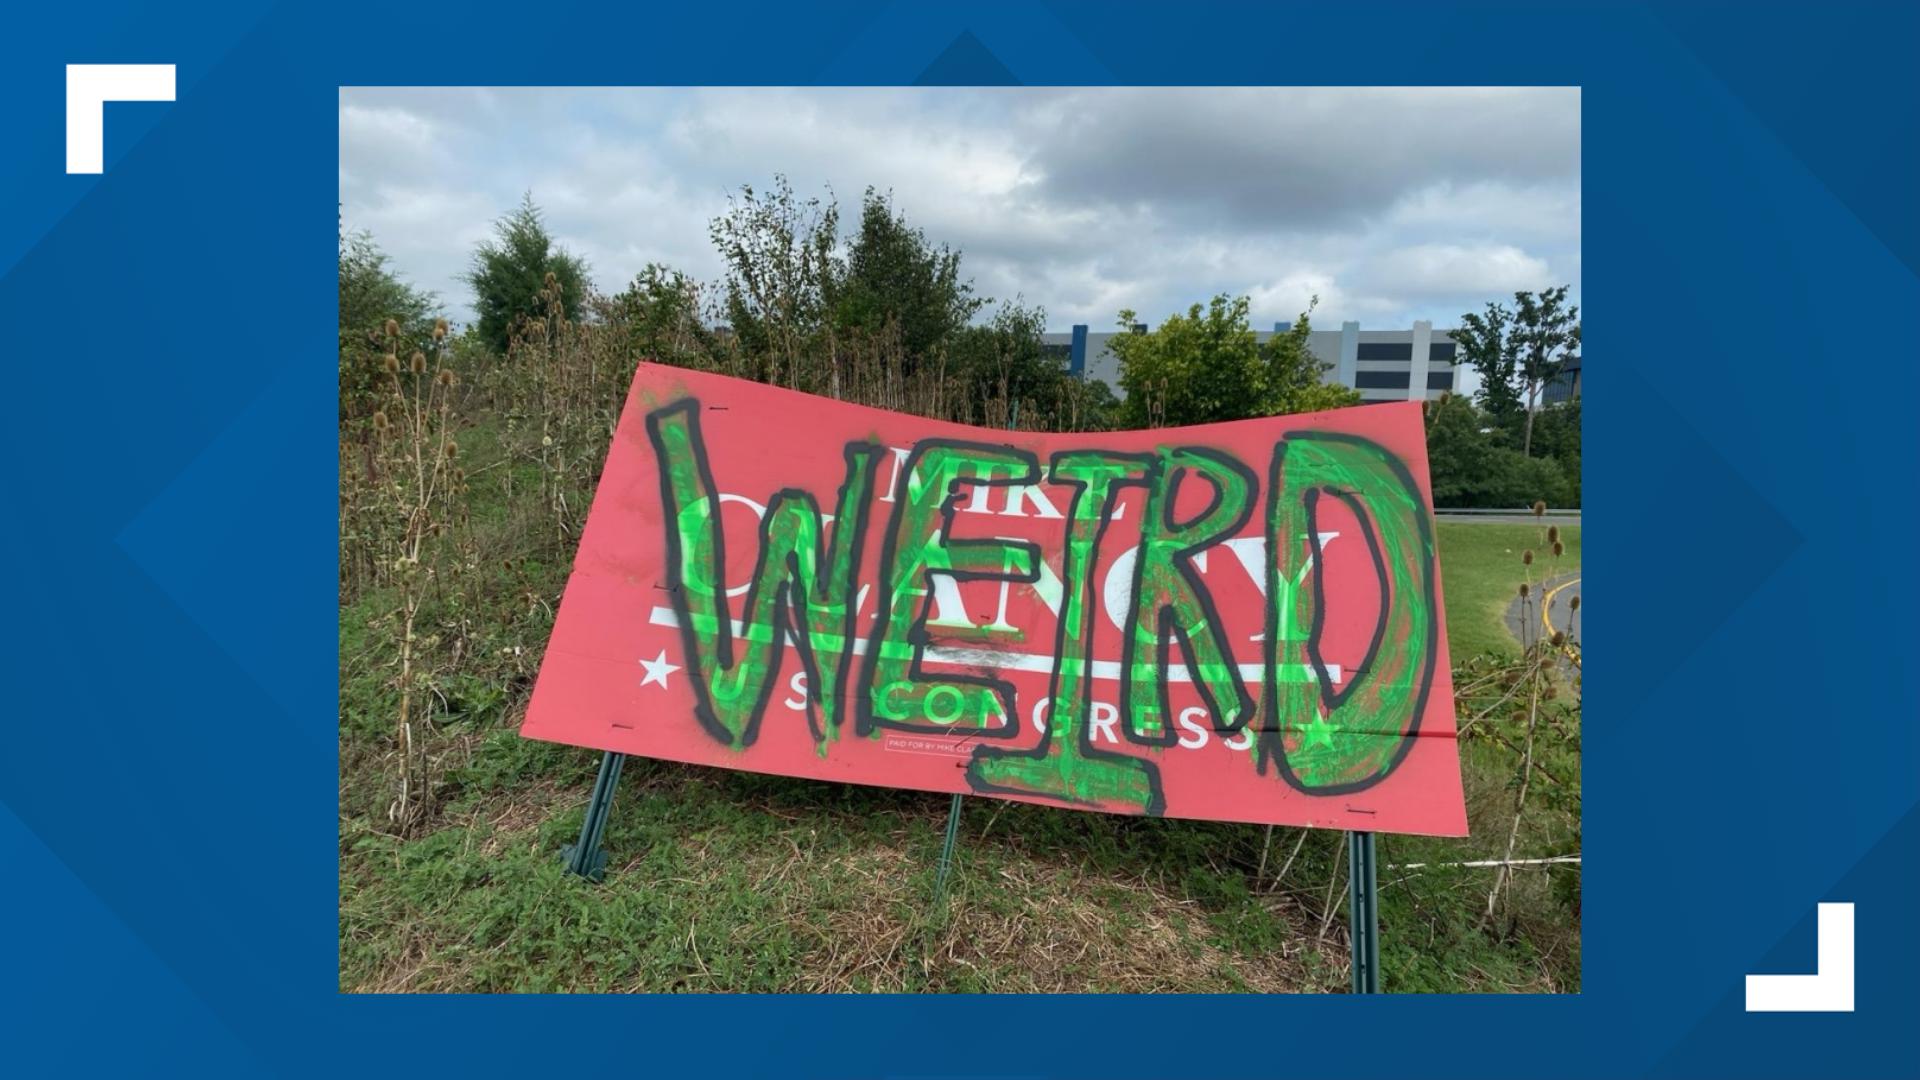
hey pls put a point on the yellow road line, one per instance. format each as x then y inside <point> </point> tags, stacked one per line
<point>1546,605</point>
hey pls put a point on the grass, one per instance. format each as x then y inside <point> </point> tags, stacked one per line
<point>737,882</point>
<point>1480,570</point>
<point>733,881</point>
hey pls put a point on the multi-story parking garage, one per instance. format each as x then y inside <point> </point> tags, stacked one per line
<point>1384,365</point>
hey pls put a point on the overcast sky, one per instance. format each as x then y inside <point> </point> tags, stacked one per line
<point>1390,204</point>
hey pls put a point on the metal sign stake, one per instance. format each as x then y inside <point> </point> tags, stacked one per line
<point>946,852</point>
<point>953,809</point>
<point>1363,908</point>
<point>585,856</point>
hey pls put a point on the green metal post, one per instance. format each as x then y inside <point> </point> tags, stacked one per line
<point>585,856</point>
<point>946,852</point>
<point>1363,907</point>
<point>953,809</point>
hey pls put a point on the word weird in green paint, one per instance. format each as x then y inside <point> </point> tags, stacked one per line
<point>732,686</point>
<point>1329,741</point>
<point>1319,738</point>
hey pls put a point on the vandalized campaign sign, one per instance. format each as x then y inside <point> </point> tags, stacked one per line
<point>1238,621</point>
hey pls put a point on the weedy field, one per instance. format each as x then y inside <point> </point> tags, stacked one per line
<point>1481,570</point>
<point>464,479</point>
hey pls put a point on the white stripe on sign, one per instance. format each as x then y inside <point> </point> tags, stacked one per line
<point>1015,661</point>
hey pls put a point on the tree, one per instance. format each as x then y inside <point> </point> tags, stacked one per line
<point>1005,359</point>
<point>782,275</point>
<point>1208,366</point>
<point>1517,353</point>
<point>1295,378</point>
<point>1549,331</point>
<point>895,275</point>
<point>1086,405</point>
<point>1460,454</point>
<point>510,271</point>
<point>661,318</point>
<point>370,294</point>
<point>1484,345</point>
<point>1556,434</point>
<point>1198,368</point>
<point>1471,467</point>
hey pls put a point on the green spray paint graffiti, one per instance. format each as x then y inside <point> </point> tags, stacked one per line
<point>893,689</point>
<point>1319,737</point>
<point>1066,765</point>
<point>1329,741</point>
<point>732,690</point>
<point>1170,602</point>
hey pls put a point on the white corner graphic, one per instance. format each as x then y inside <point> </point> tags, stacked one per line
<point>89,88</point>
<point>1829,988</point>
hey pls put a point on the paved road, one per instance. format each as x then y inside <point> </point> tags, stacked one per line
<point>1534,620</point>
<point>1518,517</point>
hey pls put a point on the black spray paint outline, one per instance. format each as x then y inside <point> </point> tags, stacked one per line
<point>791,586</point>
<point>1271,745</point>
<point>866,721</point>
<point>1166,629</point>
<point>1156,797</point>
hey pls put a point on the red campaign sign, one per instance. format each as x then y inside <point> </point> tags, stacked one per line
<point>1235,622</point>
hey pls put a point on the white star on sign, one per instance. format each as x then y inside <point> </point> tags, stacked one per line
<point>658,669</point>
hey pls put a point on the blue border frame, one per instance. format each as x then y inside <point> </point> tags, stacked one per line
<point>165,789</point>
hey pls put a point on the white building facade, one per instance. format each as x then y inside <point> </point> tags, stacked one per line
<point>1384,365</point>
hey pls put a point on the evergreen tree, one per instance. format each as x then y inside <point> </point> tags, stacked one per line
<point>895,275</point>
<point>510,270</point>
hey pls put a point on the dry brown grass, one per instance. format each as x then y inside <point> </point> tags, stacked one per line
<point>856,917</point>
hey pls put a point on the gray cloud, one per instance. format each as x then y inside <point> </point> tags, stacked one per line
<point>1389,205</point>
<point>1309,159</point>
